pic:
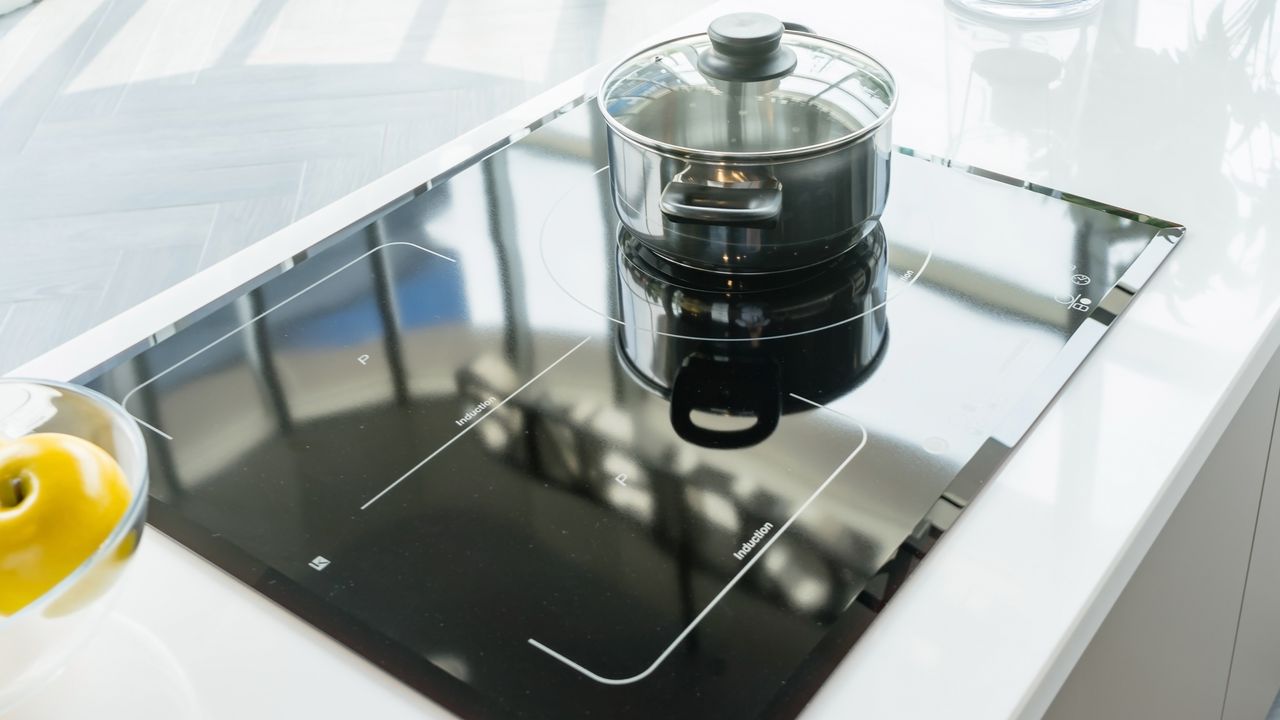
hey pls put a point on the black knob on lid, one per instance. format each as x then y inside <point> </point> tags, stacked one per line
<point>746,47</point>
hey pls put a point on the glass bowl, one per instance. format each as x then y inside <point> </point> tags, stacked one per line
<point>38,640</point>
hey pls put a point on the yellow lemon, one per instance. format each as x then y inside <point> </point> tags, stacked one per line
<point>60,497</point>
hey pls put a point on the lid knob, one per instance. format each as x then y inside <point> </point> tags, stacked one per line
<point>746,47</point>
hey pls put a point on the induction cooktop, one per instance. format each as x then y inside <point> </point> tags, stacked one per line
<point>504,453</point>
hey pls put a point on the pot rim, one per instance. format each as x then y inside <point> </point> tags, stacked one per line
<point>762,156</point>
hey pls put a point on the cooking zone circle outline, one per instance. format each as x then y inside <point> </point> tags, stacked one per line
<point>572,191</point>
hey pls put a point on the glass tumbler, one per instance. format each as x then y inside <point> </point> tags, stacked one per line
<point>1029,9</point>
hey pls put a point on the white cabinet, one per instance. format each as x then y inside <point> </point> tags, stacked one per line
<point>1165,650</point>
<point>1255,667</point>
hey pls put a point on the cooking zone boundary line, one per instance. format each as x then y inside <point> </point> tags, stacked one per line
<point>124,402</point>
<point>589,307</point>
<point>734,580</point>
<point>474,423</point>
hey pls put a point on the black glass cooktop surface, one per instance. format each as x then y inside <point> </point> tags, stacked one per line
<point>502,451</point>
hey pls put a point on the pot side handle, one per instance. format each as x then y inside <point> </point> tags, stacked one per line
<point>703,382</point>
<point>694,204</point>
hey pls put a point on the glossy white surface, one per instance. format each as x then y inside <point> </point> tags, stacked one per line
<point>1155,656</point>
<point>1158,105</point>
<point>144,140</point>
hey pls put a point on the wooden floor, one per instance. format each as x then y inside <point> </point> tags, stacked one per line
<point>143,140</point>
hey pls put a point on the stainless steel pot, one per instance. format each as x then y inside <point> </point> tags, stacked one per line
<point>741,346</point>
<point>751,148</point>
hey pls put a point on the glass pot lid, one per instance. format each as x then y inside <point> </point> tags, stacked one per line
<point>747,88</point>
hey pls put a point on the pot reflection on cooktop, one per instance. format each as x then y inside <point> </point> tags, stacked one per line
<point>750,347</point>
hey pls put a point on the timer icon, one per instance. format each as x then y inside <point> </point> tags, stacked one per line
<point>1080,279</point>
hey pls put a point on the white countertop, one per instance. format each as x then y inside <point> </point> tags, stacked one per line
<point>1149,106</point>
<point>142,141</point>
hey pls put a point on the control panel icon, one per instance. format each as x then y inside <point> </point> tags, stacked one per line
<point>319,562</point>
<point>1075,302</point>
